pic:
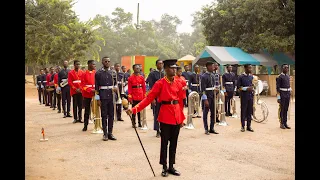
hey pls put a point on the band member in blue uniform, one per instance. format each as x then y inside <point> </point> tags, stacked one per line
<point>153,77</point>
<point>40,86</point>
<point>228,82</point>
<point>216,76</point>
<point>186,74</point>
<point>209,90</point>
<point>246,97</point>
<point>44,83</point>
<point>104,86</point>
<point>120,80</point>
<point>65,90</point>
<point>283,96</point>
<point>195,80</point>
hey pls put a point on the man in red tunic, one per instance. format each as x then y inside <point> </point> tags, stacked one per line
<point>74,81</point>
<point>136,90</point>
<point>58,89</point>
<point>167,91</point>
<point>88,90</point>
<point>49,84</point>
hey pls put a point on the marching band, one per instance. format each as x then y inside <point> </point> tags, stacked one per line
<point>101,93</point>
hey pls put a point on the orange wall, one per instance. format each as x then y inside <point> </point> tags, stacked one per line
<point>139,60</point>
<point>126,61</point>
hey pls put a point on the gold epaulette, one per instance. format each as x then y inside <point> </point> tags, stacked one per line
<point>97,92</point>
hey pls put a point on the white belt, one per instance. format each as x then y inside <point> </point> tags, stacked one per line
<point>90,85</point>
<point>119,82</point>
<point>106,87</point>
<point>39,81</point>
<point>285,89</point>
<point>194,84</point>
<point>64,79</point>
<point>229,82</point>
<point>210,88</point>
<point>77,81</point>
<point>44,81</point>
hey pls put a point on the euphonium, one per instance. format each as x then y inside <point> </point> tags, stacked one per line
<point>193,104</point>
<point>96,117</point>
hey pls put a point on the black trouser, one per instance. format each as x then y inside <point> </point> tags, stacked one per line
<point>40,93</point>
<point>118,109</point>
<point>246,110</point>
<point>168,133</point>
<point>133,115</point>
<point>283,109</point>
<point>43,96</point>
<point>50,95</point>
<point>46,96</point>
<point>227,101</point>
<point>54,100</point>
<point>205,114</point>
<point>156,110</point>
<point>185,101</point>
<point>87,107</point>
<point>107,114</point>
<point>77,105</point>
<point>58,97</point>
<point>66,98</point>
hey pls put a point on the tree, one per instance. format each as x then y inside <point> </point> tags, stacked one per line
<point>252,25</point>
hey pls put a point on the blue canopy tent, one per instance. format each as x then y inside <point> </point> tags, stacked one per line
<point>236,56</point>
<point>224,56</point>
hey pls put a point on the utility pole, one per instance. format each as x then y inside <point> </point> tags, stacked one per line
<point>138,27</point>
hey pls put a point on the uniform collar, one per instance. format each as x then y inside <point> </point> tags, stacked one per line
<point>284,74</point>
<point>247,74</point>
<point>103,69</point>
<point>159,71</point>
<point>167,80</point>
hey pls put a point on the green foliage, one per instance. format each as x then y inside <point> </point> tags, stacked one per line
<point>251,24</point>
<point>154,38</point>
<point>53,33</point>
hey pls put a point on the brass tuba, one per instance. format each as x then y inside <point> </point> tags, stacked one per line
<point>193,104</point>
<point>96,116</point>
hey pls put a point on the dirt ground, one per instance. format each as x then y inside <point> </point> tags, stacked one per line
<point>70,154</point>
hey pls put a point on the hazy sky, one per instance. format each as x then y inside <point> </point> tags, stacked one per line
<point>149,9</point>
